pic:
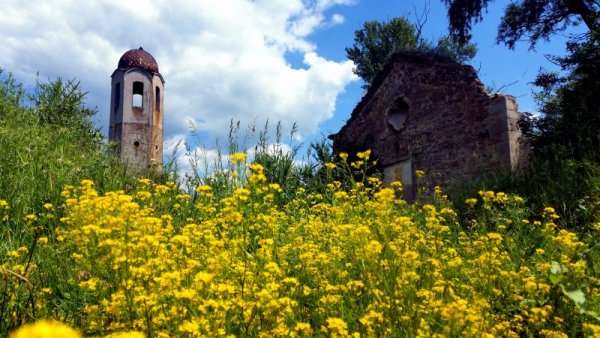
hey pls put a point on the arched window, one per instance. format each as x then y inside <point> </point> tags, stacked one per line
<point>138,94</point>
<point>157,99</point>
<point>117,97</point>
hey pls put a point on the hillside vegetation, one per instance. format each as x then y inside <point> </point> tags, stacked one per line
<point>263,247</point>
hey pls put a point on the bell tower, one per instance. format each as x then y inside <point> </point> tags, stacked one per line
<point>136,111</point>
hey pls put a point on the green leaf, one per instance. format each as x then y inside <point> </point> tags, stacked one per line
<point>592,314</point>
<point>557,271</point>
<point>577,296</point>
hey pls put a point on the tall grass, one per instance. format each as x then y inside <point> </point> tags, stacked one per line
<point>571,187</point>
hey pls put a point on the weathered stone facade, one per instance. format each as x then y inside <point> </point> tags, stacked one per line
<point>136,118</point>
<point>429,112</point>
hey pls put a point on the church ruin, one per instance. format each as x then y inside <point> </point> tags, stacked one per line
<point>426,111</point>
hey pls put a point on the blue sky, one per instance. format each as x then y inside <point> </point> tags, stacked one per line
<point>511,71</point>
<point>241,60</point>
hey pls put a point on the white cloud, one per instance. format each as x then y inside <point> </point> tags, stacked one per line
<point>221,59</point>
<point>337,19</point>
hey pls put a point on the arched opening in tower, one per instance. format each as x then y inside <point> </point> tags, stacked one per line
<point>157,99</point>
<point>117,97</point>
<point>138,95</point>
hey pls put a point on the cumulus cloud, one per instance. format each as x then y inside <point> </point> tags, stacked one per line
<point>221,60</point>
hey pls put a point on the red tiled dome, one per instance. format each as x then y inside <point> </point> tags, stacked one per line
<point>138,58</point>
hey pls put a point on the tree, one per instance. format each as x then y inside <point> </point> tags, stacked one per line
<point>376,42</point>
<point>568,126</point>
<point>530,19</point>
<point>61,104</point>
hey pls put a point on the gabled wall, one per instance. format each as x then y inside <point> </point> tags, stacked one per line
<point>428,112</point>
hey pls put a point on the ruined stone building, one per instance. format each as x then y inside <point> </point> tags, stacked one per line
<point>136,116</point>
<point>429,112</point>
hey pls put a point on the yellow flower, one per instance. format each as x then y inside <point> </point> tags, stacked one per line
<point>471,201</point>
<point>337,326</point>
<point>364,155</point>
<point>144,181</point>
<point>45,329</point>
<point>303,328</point>
<point>385,195</point>
<point>341,195</point>
<point>128,334</point>
<point>373,248</point>
<point>203,189</point>
<point>143,195</point>
<point>161,189</point>
<point>237,157</point>
<point>90,284</point>
<point>592,330</point>
<point>419,173</point>
<point>357,164</point>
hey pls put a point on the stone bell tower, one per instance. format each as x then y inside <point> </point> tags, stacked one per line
<point>136,111</point>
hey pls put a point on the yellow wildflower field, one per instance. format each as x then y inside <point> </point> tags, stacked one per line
<point>356,262</point>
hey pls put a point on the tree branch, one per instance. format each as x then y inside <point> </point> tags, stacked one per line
<point>579,7</point>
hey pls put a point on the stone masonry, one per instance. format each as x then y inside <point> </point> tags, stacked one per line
<point>428,112</point>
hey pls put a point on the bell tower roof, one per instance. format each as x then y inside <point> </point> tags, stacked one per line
<point>138,58</point>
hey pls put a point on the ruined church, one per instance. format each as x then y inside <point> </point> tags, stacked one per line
<point>428,112</point>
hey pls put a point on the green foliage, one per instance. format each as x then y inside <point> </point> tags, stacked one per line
<point>61,104</point>
<point>564,168</point>
<point>571,187</point>
<point>570,120</point>
<point>448,46</point>
<point>11,94</point>
<point>529,19</point>
<point>278,163</point>
<point>376,42</point>
<point>47,140</point>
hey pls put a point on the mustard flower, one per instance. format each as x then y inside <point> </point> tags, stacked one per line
<point>303,328</point>
<point>336,326</point>
<point>127,334</point>
<point>419,173</point>
<point>144,181</point>
<point>364,155</point>
<point>237,157</point>
<point>45,329</point>
<point>471,201</point>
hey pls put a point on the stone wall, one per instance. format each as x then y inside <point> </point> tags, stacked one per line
<point>434,114</point>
